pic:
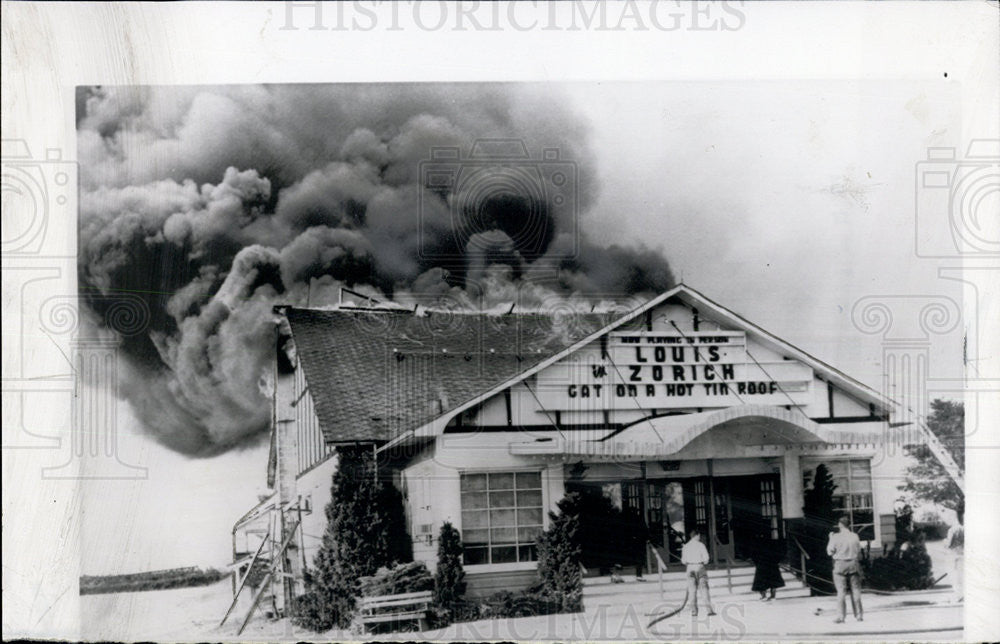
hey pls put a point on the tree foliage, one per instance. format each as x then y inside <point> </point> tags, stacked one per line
<point>559,557</point>
<point>366,530</point>
<point>906,565</point>
<point>819,516</point>
<point>926,478</point>
<point>449,578</point>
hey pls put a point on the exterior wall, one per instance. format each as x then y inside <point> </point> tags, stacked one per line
<point>313,489</point>
<point>430,485</point>
<point>312,446</point>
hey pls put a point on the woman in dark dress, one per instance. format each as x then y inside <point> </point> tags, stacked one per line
<point>767,554</point>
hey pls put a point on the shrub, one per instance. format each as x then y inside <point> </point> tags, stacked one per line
<point>403,578</point>
<point>559,558</point>
<point>506,604</point>
<point>449,578</point>
<point>906,565</point>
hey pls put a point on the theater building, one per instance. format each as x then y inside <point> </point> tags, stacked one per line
<point>680,409</point>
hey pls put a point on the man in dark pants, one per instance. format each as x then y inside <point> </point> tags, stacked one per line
<point>844,547</point>
<point>694,555</point>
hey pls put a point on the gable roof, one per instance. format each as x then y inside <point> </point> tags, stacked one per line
<point>691,297</point>
<point>347,355</point>
<point>374,374</point>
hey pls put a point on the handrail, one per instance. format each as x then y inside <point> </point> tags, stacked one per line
<point>803,556</point>
<point>661,566</point>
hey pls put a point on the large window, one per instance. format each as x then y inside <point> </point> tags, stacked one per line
<point>852,495</point>
<point>501,516</point>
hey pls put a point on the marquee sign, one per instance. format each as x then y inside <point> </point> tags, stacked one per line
<point>658,370</point>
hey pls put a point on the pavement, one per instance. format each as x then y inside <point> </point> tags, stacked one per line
<point>925,616</point>
<point>913,616</point>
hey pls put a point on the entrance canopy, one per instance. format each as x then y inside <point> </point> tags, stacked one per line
<point>667,435</point>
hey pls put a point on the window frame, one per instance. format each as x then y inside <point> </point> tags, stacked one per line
<point>518,562</point>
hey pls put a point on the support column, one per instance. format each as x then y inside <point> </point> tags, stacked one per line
<point>710,537</point>
<point>791,486</point>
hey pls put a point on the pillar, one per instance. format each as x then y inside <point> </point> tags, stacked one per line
<point>791,486</point>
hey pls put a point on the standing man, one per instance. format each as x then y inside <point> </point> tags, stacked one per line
<point>694,555</point>
<point>844,547</point>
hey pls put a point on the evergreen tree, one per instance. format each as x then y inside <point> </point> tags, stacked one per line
<point>449,578</point>
<point>559,557</point>
<point>365,531</point>
<point>819,515</point>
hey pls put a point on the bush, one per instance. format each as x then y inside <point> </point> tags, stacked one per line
<point>559,574</point>
<point>905,566</point>
<point>506,604</point>
<point>932,531</point>
<point>449,578</point>
<point>403,578</point>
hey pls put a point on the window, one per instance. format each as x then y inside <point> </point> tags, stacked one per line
<point>501,516</point>
<point>769,506</point>
<point>852,495</point>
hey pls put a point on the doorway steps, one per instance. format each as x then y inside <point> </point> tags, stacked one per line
<point>601,590</point>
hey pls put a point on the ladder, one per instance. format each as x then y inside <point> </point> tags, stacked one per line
<point>943,456</point>
<point>274,573</point>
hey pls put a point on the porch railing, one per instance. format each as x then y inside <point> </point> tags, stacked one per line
<point>661,566</point>
<point>803,556</point>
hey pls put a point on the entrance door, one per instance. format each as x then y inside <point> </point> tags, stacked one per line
<point>755,511</point>
<point>666,517</point>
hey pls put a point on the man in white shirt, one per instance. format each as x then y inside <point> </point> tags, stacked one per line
<point>844,547</point>
<point>694,555</point>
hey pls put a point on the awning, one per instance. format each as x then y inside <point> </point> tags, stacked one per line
<point>665,436</point>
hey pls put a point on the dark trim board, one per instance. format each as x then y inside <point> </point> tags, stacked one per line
<point>849,419</point>
<point>475,429</point>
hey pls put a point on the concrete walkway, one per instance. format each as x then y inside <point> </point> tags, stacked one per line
<point>922,616</point>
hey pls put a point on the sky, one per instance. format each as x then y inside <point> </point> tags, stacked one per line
<point>787,202</point>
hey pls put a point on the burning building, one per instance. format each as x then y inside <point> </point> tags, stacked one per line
<point>680,410</point>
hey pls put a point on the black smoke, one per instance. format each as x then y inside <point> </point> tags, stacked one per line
<point>214,204</point>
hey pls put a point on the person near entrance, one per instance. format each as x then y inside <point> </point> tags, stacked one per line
<point>767,554</point>
<point>844,547</point>
<point>694,555</point>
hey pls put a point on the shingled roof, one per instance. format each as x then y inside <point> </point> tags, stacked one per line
<point>376,373</point>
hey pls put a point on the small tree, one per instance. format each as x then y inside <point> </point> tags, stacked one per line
<point>559,557</point>
<point>449,578</point>
<point>819,515</point>
<point>927,479</point>
<point>365,531</point>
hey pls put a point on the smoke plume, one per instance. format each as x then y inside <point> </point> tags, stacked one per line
<point>214,204</point>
